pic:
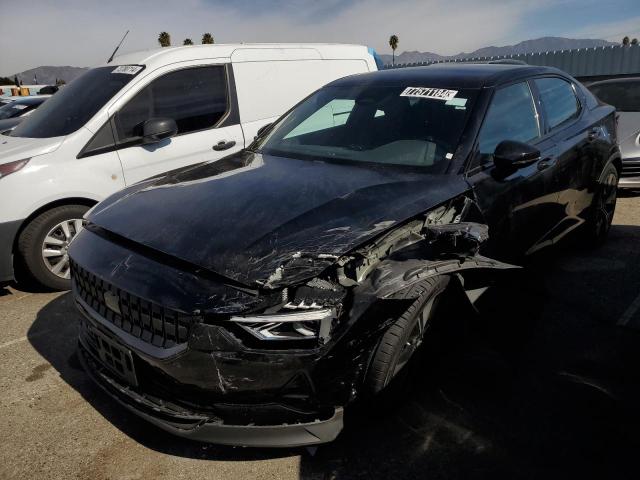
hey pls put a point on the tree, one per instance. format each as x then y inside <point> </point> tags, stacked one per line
<point>164,39</point>
<point>187,41</point>
<point>393,42</point>
<point>207,38</point>
<point>634,41</point>
<point>625,41</point>
<point>59,82</point>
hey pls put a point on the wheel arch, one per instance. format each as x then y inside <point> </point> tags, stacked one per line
<point>48,206</point>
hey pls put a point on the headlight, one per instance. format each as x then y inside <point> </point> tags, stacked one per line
<point>300,325</point>
<point>11,167</point>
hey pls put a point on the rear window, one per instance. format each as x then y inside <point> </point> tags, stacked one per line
<point>559,100</point>
<point>74,105</point>
<point>625,96</point>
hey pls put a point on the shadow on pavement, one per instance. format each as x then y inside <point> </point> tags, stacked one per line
<point>550,390</point>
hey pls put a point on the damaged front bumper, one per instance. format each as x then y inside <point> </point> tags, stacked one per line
<point>113,366</point>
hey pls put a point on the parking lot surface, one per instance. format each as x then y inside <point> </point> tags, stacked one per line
<point>552,392</point>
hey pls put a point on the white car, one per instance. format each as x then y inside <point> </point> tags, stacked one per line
<point>144,114</point>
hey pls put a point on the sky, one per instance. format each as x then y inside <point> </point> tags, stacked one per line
<point>85,32</point>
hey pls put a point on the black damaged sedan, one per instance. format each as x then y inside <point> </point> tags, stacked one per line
<point>249,300</point>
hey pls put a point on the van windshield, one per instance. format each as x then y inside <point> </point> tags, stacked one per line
<point>394,125</point>
<point>72,106</point>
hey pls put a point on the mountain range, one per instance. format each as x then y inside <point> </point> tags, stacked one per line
<point>544,44</point>
<point>48,75</point>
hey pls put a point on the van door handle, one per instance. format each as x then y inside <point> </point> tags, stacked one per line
<point>546,163</point>
<point>224,145</point>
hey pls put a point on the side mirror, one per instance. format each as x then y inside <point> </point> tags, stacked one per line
<point>157,129</point>
<point>262,130</point>
<point>510,154</point>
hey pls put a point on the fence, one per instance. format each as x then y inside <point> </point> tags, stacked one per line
<point>594,62</point>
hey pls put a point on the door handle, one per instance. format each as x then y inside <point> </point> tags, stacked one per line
<point>546,163</point>
<point>223,145</point>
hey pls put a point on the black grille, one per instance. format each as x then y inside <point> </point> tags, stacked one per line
<point>148,321</point>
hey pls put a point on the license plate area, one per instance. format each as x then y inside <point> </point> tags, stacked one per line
<point>115,357</point>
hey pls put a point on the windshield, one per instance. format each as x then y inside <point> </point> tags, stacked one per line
<point>411,126</point>
<point>74,105</point>
<point>625,96</point>
<point>13,109</point>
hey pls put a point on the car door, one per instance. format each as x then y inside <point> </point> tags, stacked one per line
<point>576,139</point>
<point>199,100</point>
<point>520,206</point>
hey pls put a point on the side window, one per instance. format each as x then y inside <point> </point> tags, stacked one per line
<point>558,99</point>
<point>196,98</point>
<point>511,116</point>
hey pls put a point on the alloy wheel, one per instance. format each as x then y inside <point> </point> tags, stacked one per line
<point>55,246</point>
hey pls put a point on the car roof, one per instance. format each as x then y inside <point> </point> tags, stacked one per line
<point>162,56</point>
<point>448,75</point>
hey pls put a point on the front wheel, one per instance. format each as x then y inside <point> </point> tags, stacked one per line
<point>43,245</point>
<point>603,207</point>
<point>403,338</point>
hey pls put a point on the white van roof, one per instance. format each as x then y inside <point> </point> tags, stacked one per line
<point>242,52</point>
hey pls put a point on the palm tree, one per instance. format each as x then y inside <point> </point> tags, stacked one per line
<point>187,41</point>
<point>625,41</point>
<point>207,38</point>
<point>164,39</point>
<point>634,41</point>
<point>393,42</point>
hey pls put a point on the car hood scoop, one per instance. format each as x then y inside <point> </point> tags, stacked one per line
<point>266,220</point>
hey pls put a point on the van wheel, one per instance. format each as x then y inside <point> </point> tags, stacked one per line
<point>44,242</point>
<point>403,338</point>
<point>603,207</point>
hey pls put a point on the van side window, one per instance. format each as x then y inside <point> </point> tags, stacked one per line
<point>558,99</point>
<point>196,98</point>
<point>511,116</point>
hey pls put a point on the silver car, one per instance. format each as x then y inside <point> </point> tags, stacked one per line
<point>624,94</point>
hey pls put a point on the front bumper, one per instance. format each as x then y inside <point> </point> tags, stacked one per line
<point>201,427</point>
<point>8,231</point>
<point>195,409</point>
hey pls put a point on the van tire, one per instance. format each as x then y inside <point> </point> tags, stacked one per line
<point>31,243</point>
<point>410,327</point>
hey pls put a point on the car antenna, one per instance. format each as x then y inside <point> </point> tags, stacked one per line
<point>114,52</point>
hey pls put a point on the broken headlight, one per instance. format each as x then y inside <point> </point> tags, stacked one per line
<point>311,324</point>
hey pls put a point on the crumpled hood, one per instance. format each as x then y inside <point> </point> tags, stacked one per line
<point>263,219</point>
<point>19,148</point>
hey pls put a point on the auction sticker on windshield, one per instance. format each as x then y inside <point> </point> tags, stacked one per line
<point>128,69</point>
<point>426,92</point>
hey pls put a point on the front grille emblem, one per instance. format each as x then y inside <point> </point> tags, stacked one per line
<point>112,303</point>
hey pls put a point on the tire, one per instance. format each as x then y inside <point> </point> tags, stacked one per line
<point>403,338</point>
<point>603,207</point>
<point>41,264</point>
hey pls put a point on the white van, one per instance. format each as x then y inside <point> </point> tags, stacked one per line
<point>143,114</point>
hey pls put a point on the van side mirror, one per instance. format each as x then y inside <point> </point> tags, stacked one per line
<point>157,129</point>
<point>510,155</point>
